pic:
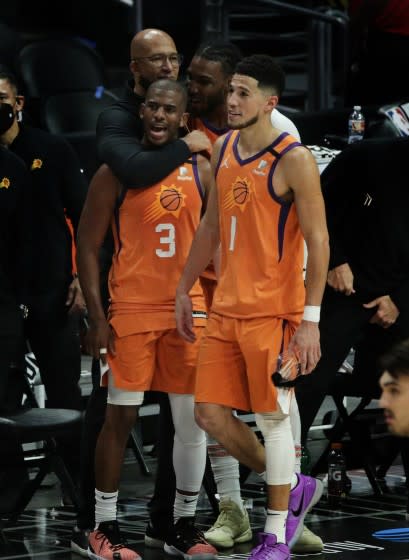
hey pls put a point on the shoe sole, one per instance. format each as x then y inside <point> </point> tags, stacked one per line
<point>151,542</point>
<point>319,489</point>
<point>78,550</point>
<point>173,551</point>
<point>244,537</point>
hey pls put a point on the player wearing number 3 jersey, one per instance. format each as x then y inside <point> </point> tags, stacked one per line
<point>267,197</point>
<point>153,230</point>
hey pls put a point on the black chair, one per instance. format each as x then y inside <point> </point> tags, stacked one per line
<point>33,425</point>
<point>75,111</point>
<point>56,66</point>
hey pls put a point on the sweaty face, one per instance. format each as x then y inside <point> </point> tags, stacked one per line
<point>207,86</point>
<point>154,58</point>
<point>395,401</point>
<point>245,102</point>
<point>162,115</point>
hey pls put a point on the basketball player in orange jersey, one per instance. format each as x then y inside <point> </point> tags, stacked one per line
<point>208,78</point>
<point>153,230</point>
<point>267,199</point>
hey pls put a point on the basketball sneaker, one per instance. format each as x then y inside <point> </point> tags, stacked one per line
<point>269,549</point>
<point>302,498</point>
<point>231,526</point>
<point>188,542</point>
<point>154,538</point>
<point>79,541</point>
<point>106,543</point>
<point>308,543</point>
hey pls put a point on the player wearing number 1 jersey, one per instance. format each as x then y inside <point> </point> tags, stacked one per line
<point>267,198</point>
<point>153,230</point>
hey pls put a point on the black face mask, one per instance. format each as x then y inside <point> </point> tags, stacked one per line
<point>6,117</point>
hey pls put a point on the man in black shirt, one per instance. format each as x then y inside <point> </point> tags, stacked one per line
<point>366,302</point>
<point>14,267</point>
<point>54,295</point>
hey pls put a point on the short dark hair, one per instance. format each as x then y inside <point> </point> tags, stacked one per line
<point>220,51</point>
<point>5,74</point>
<point>172,85</point>
<point>396,360</point>
<point>265,70</point>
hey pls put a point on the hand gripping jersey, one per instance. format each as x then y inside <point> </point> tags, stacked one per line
<point>261,240</point>
<point>153,231</point>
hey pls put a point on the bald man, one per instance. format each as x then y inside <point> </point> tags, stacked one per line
<point>119,131</point>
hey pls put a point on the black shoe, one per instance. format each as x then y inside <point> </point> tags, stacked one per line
<point>154,538</point>
<point>187,541</point>
<point>79,541</point>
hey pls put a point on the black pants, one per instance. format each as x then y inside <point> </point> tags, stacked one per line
<point>56,346</point>
<point>345,324</point>
<point>161,504</point>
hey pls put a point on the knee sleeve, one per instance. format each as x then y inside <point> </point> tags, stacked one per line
<point>189,450</point>
<point>279,445</point>
<point>296,431</point>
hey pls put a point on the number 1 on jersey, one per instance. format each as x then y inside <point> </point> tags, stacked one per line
<point>233,228</point>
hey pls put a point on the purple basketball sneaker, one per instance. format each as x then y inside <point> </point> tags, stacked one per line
<point>269,549</point>
<point>302,498</point>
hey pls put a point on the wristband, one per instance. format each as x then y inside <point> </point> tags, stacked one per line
<point>312,313</point>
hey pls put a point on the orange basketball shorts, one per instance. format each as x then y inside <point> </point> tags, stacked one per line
<point>157,360</point>
<point>236,360</point>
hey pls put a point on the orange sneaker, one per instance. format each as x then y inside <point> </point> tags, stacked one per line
<point>106,543</point>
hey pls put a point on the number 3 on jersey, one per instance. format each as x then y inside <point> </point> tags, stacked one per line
<point>168,240</point>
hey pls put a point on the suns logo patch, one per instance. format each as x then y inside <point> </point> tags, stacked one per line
<point>169,200</point>
<point>239,195</point>
<point>5,183</point>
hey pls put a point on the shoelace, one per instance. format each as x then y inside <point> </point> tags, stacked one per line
<point>262,550</point>
<point>223,517</point>
<point>115,547</point>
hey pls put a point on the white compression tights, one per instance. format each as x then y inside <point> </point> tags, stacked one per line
<point>189,450</point>
<point>279,445</point>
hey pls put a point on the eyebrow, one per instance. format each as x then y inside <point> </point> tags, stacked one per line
<point>389,383</point>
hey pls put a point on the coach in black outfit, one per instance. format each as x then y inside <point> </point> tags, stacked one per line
<point>119,131</point>
<point>54,298</point>
<point>14,263</point>
<point>366,302</point>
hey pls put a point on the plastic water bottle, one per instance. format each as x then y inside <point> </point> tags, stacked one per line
<point>356,125</point>
<point>336,475</point>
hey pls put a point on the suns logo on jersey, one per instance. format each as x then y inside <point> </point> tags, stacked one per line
<point>239,194</point>
<point>169,200</point>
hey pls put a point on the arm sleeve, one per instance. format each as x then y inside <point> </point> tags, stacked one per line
<point>24,241</point>
<point>119,146</point>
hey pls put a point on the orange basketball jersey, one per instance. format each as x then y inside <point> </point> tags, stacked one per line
<point>213,133</point>
<point>153,231</point>
<point>261,241</point>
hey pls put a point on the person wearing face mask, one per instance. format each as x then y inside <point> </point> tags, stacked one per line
<point>54,297</point>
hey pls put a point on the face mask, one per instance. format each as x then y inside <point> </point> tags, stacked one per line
<point>6,117</point>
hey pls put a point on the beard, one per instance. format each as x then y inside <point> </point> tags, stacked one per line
<point>244,124</point>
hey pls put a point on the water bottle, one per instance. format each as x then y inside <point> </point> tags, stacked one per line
<point>356,125</point>
<point>336,475</point>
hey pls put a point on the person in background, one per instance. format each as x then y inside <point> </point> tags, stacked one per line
<point>54,295</point>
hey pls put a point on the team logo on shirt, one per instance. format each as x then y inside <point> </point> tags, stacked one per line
<point>37,164</point>
<point>184,174</point>
<point>239,195</point>
<point>225,162</point>
<point>168,200</point>
<point>260,168</point>
<point>5,183</point>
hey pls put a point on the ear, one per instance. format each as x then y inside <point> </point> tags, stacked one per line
<point>133,67</point>
<point>271,103</point>
<point>20,100</point>
<point>141,110</point>
<point>183,120</point>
